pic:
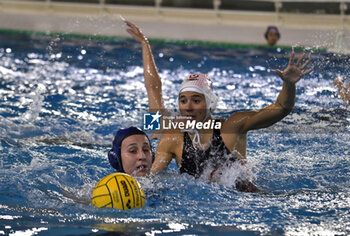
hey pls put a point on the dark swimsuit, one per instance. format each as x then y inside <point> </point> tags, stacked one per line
<point>195,161</point>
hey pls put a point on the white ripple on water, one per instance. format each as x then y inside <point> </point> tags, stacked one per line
<point>275,160</point>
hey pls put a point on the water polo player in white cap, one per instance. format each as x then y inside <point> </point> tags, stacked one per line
<point>204,153</point>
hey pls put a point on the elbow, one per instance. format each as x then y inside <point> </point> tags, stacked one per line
<point>285,109</point>
<point>284,112</point>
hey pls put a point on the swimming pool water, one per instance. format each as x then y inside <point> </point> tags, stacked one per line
<point>62,100</point>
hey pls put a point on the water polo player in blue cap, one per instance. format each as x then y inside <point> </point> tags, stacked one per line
<point>206,153</point>
<point>272,35</point>
<point>131,152</point>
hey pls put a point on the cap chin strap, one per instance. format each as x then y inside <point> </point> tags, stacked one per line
<point>196,139</point>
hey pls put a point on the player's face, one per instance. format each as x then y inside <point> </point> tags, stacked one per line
<point>136,155</point>
<point>272,37</point>
<point>192,104</point>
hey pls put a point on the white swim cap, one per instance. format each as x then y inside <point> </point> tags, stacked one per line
<point>200,83</point>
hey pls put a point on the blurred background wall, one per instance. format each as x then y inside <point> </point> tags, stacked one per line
<point>314,23</point>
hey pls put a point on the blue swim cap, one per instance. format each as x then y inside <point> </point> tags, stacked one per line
<point>114,155</point>
<point>272,27</point>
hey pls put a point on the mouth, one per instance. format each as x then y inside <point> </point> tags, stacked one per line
<point>142,168</point>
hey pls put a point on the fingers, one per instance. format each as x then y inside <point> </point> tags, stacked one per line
<point>300,59</point>
<point>133,29</point>
<point>130,31</point>
<point>307,71</point>
<point>128,23</point>
<point>302,67</point>
<point>291,58</point>
<point>132,26</point>
<point>305,64</point>
<point>279,73</point>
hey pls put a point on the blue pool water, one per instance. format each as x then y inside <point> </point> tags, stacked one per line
<point>62,99</point>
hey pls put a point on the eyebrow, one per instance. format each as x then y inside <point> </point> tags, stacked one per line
<point>135,144</point>
<point>193,96</point>
<point>197,96</point>
<point>132,144</point>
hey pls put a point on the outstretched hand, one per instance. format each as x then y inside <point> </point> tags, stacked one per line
<point>293,73</point>
<point>135,32</point>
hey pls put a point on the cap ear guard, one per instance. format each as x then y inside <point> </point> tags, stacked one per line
<point>211,100</point>
<point>116,161</point>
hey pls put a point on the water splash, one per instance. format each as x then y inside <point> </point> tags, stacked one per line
<point>58,115</point>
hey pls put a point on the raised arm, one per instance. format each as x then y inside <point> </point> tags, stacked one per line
<point>153,82</point>
<point>284,103</point>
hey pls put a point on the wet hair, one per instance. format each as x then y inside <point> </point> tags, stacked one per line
<point>114,155</point>
<point>271,27</point>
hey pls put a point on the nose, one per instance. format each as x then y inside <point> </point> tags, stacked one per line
<point>188,106</point>
<point>141,155</point>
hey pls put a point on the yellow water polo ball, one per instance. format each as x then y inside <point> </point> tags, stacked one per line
<point>118,190</point>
